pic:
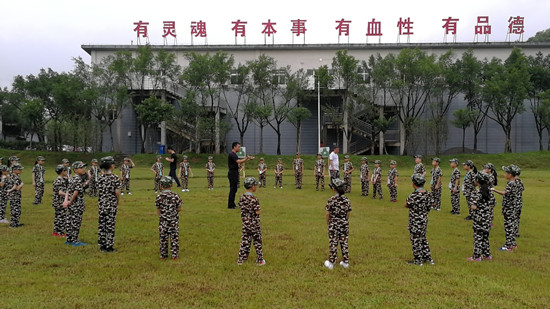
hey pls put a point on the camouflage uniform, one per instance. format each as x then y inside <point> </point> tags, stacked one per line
<point>94,174</point>
<point>39,172</point>
<point>419,169</point>
<point>298,168</point>
<point>455,196</point>
<point>319,177</point>
<point>262,168</point>
<point>168,203</point>
<point>392,185</point>
<point>60,213</point>
<point>15,199</point>
<point>364,179</point>
<point>468,188</point>
<point>511,203</point>
<point>436,192</point>
<point>251,229</point>
<point>418,204</point>
<point>184,176</point>
<point>125,174</point>
<point>377,182</point>
<point>75,210</point>
<point>210,166</point>
<point>159,172</point>
<point>338,206</point>
<point>107,204</point>
<point>279,178</point>
<point>4,196</point>
<point>481,218</point>
<point>348,166</point>
<point>521,187</point>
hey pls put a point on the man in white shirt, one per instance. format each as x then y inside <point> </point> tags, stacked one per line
<point>334,164</point>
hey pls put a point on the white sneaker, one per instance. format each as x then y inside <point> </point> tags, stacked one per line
<point>129,193</point>
<point>275,187</point>
<point>329,265</point>
<point>187,190</point>
<point>261,263</point>
<point>281,187</point>
<point>182,190</point>
<point>121,193</point>
<point>4,221</point>
<point>345,265</point>
<point>155,192</point>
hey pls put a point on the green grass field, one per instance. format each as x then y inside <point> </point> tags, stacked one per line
<point>38,271</point>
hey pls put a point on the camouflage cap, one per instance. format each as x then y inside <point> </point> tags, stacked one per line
<point>482,177</point>
<point>64,161</point>
<point>377,162</point>
<point>13,158</point>
<point>1,158</point>
<point>185,157</point>
<point>210,158</point>
<point>107,160</point>
<point>319,154</point>
<point>94,160</point>
<point>159,157</point>
<point>78,164</point>
<point>454,160</point>
<point>127,159</point>
<point>364,159</point>
<point>297,153</point>
<point>166,181</point>
<point>4,168</point>
<point>279,160</point>
<point>393,162</point>
<point>17,166</point>
<point>346,157</point>
<point>436,159</point>
<point>250,182</point>
<point>40,158</point>
<point>489,166</point>
<point>261,159</point>
<point>418,179</point>
<point>60,168</point>
<point>419,156</point>
<point>469,163</point>
<point>337,183</point>
<point>512,169</point>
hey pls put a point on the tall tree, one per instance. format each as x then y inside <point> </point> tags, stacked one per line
<point>539,69</point>
<point>242,111</point>
<point>152,111</point>
<point>463,118</point>
<point>297,115</point>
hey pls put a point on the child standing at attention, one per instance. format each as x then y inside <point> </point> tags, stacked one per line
<point>38,172</point>
<point>454,187</point>
<point>337,216</point>
<point>251,229</point>
<point>279,169</point>
<point>298,164</point>
<point>125,175</point>
<point>4,183</point>
<point>74,202</point>
<point>67,164</point>
<point>364,177</point>
<point>418,204</point>
<point>435,184</point>
<point>319,172</point>
<point>376,180</point>
<point>14,195</point>
<point>348,169</point>
<point>158,170</point>
<point>392,181</point>
<point>93,174</point>
<point>168,206</point>
<point>419,167</point>
<point>107,202</point>
<point>262,168</point>
<point>483,202</point>
<point>185,172</point>
<point>468,186</point>
<point>60,185</point>
<point>210,168</point>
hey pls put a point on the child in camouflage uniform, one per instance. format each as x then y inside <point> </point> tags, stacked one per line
<point>364,177</point>
<point>93,174</point>
<point>348,169</point>
<point>392,181</point>
<point>251,229</point>
<point>185,172</point>
<point>125,175</point>
<point>468,186</point>
<point>454,187</point>
<point>60,185</point>
<point>419,167</point>
<point>483,202</point>
<point>158,170</point>
<point>4,183</point>
<point>337,216</point>
<point>489,169</point>
<point>74,202</point>
<point>262,168</point>
<point>210,168</point>
<point>108,185</point>
<point>435,184</point>
<point>511,203</point>
<point>319,172</point>
<point>418,204</point>
<point>38,172</point>
<point>376,179</point>
<point>298,165</point>
<point>14,185</point>
<point>168,206</point>
<point>279,169</point>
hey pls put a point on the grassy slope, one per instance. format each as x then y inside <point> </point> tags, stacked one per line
<point>39,271</point>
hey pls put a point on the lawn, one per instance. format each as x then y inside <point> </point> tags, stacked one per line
<point>38,271</point>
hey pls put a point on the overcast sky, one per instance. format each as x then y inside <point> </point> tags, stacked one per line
<point>38,34</point>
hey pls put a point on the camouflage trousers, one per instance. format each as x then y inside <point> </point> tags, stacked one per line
<point>377,189</point>
<point>125,184</point>
<point>319,179</point>
<point>481,226</point>
<point>420,248</point>
<point>455,202</point>
<point>210,181</point>
<point>518,216</point>
<point>364,188</point>
<point>334,175</point>
<point>393,192</point>
<point>338,235</point>
<point>157,184</point>
<point>3,204</point>
<point>106,229</point>
<point>261,179</point>
<point>469,202</point>
<point>279,180</point>
<point>15,209</point>
<point>74,222</point>
<point>59,219</point>
<point>93,188</point>
<point>436,198</point>
<point>169,233</point>
<point>298,180</point>
<point>185,182</point>
<point>248,236</point>
<point>38,192</point>
<point>510,226</point>
<point>347,181</point>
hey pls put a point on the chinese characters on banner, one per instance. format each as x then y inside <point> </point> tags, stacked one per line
<point>516,26</point>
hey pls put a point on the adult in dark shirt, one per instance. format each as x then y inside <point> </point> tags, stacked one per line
<point>173,159</point>
<point>233,173</point>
